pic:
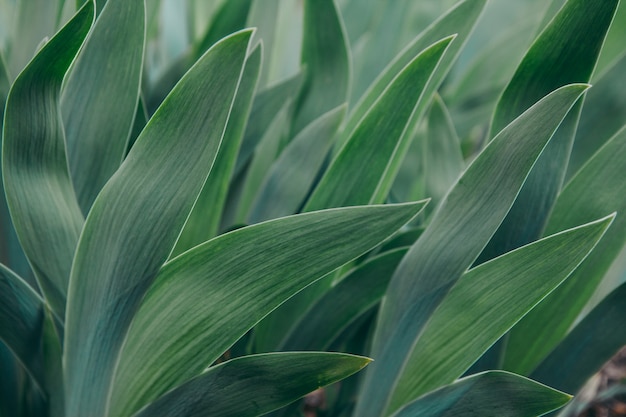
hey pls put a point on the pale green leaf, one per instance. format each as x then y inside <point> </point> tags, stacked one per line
<point>489,394</point>
<point>598,189</point>
<point>100,96</point>
<point>137,218</point>
<point>457,233</point>
<point>254,385</point>
<point>485,303</point>
<point>37,183</point>
<point>203,301</point>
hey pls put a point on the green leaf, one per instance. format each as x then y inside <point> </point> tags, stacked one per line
<point>596,190</point>
<point>325,54</point>
<point>459,20</point>
<point>485,303</point>
<point>562,54</point>
<point>357,293</point>
<point>37,183</point>
<point>263,16</point>
<point>204,220</point>
<point>21,322</point>
<point>206,299</point>
<point>458,231</point>
<point>356,174</point>
<point>100,96</point>
<point>493,393</point>
<point>254,385</point>
<point>597,338</point>
<point>290,178</point>
<point>266,106</point>
<point>135,221</point>
<point>230,17</point>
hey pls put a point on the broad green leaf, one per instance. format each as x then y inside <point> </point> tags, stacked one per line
<point>485,303</point>
<point>565,52</point>
<point>457,233</point>
<point>290,178</point>
<point>21,322</point>
<point>354,295</point>
<point>37,183</point>
<point>230,17</point>
<point>254,385</point>
<point>613,46</point>
<point>325,55</point>
<point>11,371</point>
<point>100,96</point>
<point>459,20</point>
<point>263,15</point>
<point>355,175</point>
<point>493,393</point>
<point>204,220</point>
<point>443,161</point>
<point>36,21</point>
<point>140,122</point>
<point>135,221</point>
<point>597,338</point>
<point>268,149</point>
<point>203,301</point>
<point>598,189</point>
<point>266,106</point>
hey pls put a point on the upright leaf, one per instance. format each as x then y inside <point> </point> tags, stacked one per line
<point>458,231</point>
<point>485,303</point>
<point>100,97</point>
<point>254,385</point>
<point>494,393</point>
<point>596,190</point>
<point>135,221</point>
<point>203,301</point>
<point>565,52</point>
<point>37,183</point>
<point>326,59</point>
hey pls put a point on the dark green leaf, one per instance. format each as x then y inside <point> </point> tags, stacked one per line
<point>254,385</point>
<point>230,17</point>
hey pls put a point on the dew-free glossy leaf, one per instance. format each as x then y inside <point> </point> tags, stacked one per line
<point>37,183</point>
<point>205,217</point>
<point>343,303</point>
<point>326,59</point>
<point>493,393</point>
<point>587,347</point>
<point>100,97</point>
<point>457,233</point>
<point>565,52</point>
<point>137,218</point>
<point>485,303</point>
<point>254,385</point>
<point>204,300</point>
<point>355,175</point>
<point>286,185</point>
<point>598,189</point>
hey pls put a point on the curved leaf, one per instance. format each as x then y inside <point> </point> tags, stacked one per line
<point>136,219</point>
<point>254,385</point>
<point>493,393</point>
<point>100,97</point>
<point>458,231</point>
<point>37,183</point>
<point>203,301</point>
<point>485,303</point>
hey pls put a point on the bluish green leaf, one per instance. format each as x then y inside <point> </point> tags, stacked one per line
<point>263,16</point>
<point>230,17</point>
<point>137,218</point>
<point>325,55</point>
<point>494,393</point>
<point>37,183</point>
<point>485,303</point>
<point>595,340</point>
<point>598,189</point>
<point>204,220</point>
<point>100,96</point>
<point>457,233</point>
<point>290,178</point>
<point>203,301</point>
<point>254,385</point>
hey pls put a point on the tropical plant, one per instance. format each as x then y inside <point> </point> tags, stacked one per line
<point>196,211</point>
